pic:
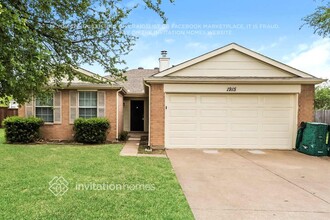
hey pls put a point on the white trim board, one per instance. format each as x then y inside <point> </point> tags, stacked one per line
<point>230,88</point>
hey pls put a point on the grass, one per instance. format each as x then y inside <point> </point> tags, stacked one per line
<point>25,172</point>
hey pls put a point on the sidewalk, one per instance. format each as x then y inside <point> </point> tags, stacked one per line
<point>131,147</point>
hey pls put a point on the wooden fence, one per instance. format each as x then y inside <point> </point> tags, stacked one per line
<point>6,112</point>
<point>322,116</point>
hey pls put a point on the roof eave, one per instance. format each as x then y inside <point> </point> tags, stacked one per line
<point>236,80</point>
<point>89,86</point>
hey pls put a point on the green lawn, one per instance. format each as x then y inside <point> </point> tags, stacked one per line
<point>150,189</point>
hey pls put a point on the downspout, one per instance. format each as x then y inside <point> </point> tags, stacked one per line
<point>117,113</point>
<point>149,120</point>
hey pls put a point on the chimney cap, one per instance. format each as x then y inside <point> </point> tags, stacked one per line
<point>163,53</point>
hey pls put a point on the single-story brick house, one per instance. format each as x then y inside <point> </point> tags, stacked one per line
<point>231,97</point>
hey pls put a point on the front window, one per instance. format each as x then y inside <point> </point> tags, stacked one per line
<point>45,110</point>
<point>87,104</point>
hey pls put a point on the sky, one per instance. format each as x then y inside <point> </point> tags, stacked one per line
<point>272,28</point>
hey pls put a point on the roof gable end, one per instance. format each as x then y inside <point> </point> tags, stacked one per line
<point>232,60</point>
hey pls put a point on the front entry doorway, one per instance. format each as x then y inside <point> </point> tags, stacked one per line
<point>137,115</point>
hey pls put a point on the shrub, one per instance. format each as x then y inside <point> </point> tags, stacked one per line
<point>91,130</point>
<point>123,136</point>
<point>22,130</point>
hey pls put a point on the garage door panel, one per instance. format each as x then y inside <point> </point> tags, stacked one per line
<point>183,107</point>
<point>277,113</point>
<point>212,134</point>
<point>180,134</point>
<point>243,113</point>
<point>276,127</point>
<point>181,99</point>
<point>230,121</point>
<point>183,113</point>
<point>278,101</point>
<point>182,120</point>
<point>243,141</point>
<point>246,127</point>
<point>213,112</point>
<point>183,127</point>
<point>244,134</point>
<point>213,99</point>
<point>274,134</point>
<point>276,142</point>
<point>246,100</point>
<point>213,127</point>
<point>213,142</point>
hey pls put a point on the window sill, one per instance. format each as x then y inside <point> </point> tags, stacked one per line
<point>52,123</point>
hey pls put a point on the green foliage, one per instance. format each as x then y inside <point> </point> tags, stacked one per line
<point>322,98</point>
<point>4,101</point>
<point>123,136</point>
<point>41,42</point>
<point>91,130</point>
<point>22,130</point>
<point>320,20</point>
<point>26,172</point>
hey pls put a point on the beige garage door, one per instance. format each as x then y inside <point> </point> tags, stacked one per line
<point>247,121</point>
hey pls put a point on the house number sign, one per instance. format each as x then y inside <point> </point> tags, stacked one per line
<point>231,89</point>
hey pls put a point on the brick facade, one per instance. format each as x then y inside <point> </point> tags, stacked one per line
<point>111,112</point>
<point>120,114</point>
<point>64,131</point>
<point>306,104</point>
<point>157,116</point>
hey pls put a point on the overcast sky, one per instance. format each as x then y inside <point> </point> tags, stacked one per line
<point>269,27</point>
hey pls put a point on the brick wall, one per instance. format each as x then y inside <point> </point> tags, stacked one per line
<point>64,131</point>
<point>111,112</point>
<point>306,104</point>
<point>120,114</point>
<point>157,118</point>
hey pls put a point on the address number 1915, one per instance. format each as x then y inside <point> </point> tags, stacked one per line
<point>231,89</point>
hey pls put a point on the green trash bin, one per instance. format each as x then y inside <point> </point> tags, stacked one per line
<point>314,139</point>
<point>328,140</point>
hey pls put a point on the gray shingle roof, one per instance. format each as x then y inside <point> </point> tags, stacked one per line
<point>134,83</point>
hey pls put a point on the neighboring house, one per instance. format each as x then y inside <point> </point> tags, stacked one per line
<point>231,97</point>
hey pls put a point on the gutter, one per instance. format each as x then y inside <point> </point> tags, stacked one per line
<point>117,112</point>
<point>149,119</point>
<point>235,80</point>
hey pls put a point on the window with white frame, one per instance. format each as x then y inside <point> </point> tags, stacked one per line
<point>87,104</point>
<point>44,109</point>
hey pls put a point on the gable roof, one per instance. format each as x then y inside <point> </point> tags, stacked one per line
<point>97,81</point>
<point>134,83</point>
<point>90,74</point>
<point>241,49</point>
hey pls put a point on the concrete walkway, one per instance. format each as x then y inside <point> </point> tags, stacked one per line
<point>241,184</point>
<point>131,147</point>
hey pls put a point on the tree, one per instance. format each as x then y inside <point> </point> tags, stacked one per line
<point>46,39</point>
<point>322,98</point>
<point>320,20</point>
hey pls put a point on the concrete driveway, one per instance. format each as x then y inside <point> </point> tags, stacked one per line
<point>241,184</point>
